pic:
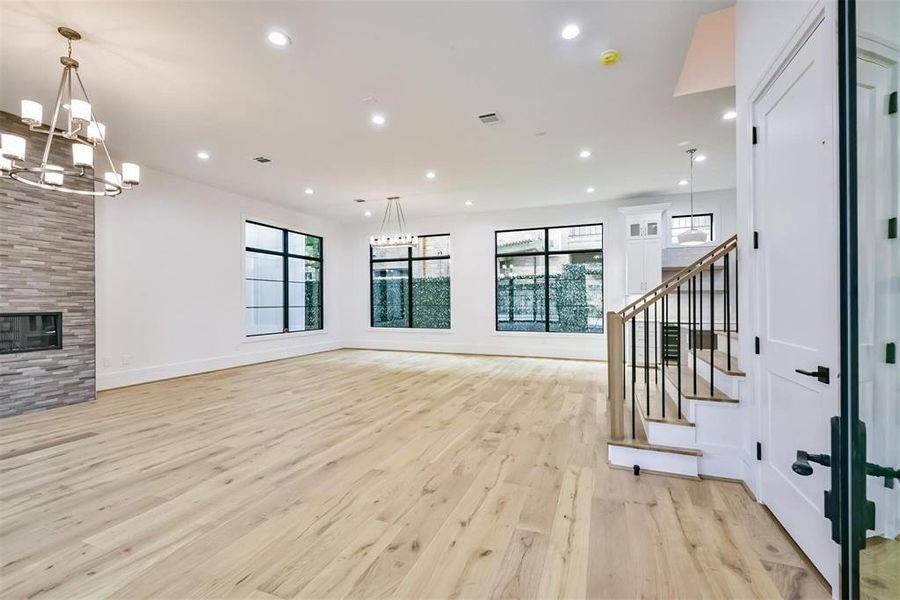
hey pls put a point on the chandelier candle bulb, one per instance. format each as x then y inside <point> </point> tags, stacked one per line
<point>80,111</point>
<point>5,165</point>
<point>131,173</point>
<point>53,175</point>
<point>96,132</point>
<point>32,113</point>
<point>12,146</point>
<point>82,155</point>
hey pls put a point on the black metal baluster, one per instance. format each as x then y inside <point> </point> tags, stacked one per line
<point>712,323</point>
<point>663,340</point>
<point>694,336</point>
<point>655,344</point>
<point>727,315</point>
<point>737,289</point>
<point>678,316</point>
<point>647,356</point>
<point>633,373</point>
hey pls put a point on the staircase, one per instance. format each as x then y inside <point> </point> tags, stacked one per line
<point>674,376</point>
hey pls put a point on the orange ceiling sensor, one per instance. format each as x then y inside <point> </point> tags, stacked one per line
<point>610,57</point>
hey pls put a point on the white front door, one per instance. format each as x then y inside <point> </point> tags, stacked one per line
<point>796,213</point>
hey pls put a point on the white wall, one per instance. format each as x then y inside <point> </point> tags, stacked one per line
<point>472,276</point>
<point>170,291</point>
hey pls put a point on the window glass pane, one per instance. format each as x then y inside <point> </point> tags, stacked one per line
<point>306,245</point>
<point>264,293</point>
<point>304,289</point>
<point>431,294</point>
<point>433,245</point>
<point>264,266</point>
<point>584,237</point>
<point>682,223</point>
<point>390,253</point>
<point>390,294</point>
<point>576,293</point>
<point>635,230</point>
<point>652,228</point>
<point>511,242</point>
<point>520,293</point>
<point>266,238</point>
<point>264,320</point>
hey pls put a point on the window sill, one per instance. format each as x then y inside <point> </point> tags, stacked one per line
<point>282,336</point>
<point>548,334</point>
<point>409,330</point>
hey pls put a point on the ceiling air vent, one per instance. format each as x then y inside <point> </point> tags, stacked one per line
<point>490,118</point>
<point>359,200</point>
<point>262,159</point>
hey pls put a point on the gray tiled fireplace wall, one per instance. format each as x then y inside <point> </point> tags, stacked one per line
<point>46,265</point>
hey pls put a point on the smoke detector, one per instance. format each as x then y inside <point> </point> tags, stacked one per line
<point>491,118</point>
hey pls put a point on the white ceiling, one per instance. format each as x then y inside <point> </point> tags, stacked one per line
<point>171,78</point>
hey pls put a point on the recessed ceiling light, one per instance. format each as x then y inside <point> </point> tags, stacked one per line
<point>203,155</point>
<point>684,143</point>
<point>590,190</point>
<point>368,213</point>
<point>278,38</point>
<point>309,191</point>
<point>378,119</point>
<point>430,174</point>
<point>585,153</point>
<point>683,182</point>
<point>469,203</point>
<point>570,32</point>
<point>700,158</point>
<point>729,115</point>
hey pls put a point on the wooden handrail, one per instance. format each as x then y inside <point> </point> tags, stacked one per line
<point>692,269</point>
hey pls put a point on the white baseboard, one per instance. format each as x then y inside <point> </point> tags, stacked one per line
<point>115,379</point>
<point>584,351</point>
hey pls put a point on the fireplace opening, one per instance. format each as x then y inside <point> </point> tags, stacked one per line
<point>27,332</point>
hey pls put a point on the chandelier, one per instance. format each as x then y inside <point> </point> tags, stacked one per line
<point>82,128</point>
<point>398,237</point>
<point>692,235</point>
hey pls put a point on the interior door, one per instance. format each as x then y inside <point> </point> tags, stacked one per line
<point>634,267</point>
<point>796,215</point>
<point>878,318</point>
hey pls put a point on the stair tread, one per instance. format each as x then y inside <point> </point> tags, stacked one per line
<point>656,406</point>
<point>720,362</point>
<point>703,388</point>
<point>645,445</point>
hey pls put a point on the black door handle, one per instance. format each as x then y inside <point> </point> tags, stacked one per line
<point>802,467</point>
<point>821,373</point>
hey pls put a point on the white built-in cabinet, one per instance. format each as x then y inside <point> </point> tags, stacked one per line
<point>643,252</point>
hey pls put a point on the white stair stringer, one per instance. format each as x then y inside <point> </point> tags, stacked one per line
<point>656,459</point>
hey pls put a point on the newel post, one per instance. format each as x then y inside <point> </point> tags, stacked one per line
<point>615,393</point>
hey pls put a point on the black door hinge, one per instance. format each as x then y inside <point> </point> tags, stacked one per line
<point>892,228</point>
<point>892,103</point>
<point>755,240</point>
<point>753,135</point>
<point>758,450</point>
<point>756,345</point>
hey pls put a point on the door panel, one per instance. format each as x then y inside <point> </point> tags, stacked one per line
<point>795,205</point>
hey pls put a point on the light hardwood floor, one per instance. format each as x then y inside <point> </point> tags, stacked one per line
<point>367,474</point>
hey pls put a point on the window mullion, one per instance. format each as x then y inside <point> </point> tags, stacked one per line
<point>285,287</point>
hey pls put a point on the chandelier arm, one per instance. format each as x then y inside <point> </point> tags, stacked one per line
<point>401,218</point>
<point>384,218</point>
<point>52,131</point>
<point>69,86</point>
<point>102,133</point>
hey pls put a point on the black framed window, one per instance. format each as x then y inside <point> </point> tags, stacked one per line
<point>550,279</point>
<point>283,280</point>
<point>410,287</point>
<point>682,223</point>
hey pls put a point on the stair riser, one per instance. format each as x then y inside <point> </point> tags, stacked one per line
<point>729,384</point>
<point>722,344</point>
<point>652,460</point>
<point>669,434</point>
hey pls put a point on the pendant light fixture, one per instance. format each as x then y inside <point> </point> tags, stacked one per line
<point>82,128</point>
<point>398,237</point>
<point>692,235</point>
